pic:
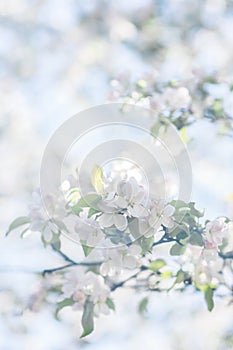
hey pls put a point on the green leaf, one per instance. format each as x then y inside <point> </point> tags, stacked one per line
<point>179,204</point>
<point>157,265</point>
<point>180,231</point>
<point>86,249</point>
<point>194,211</point>
<point>23,220</point>
<point>92,211</point>
<point>76,209</point>
<point>62,304</point>
<point>183,135</point>
<point>146,244</point>
<point>90,200</point>
<point>88,318</point>
<point>166,274</point>
<point>180,276</point>
<point>97,179</point>
<point>110,304</point>
<point>142,307</point>
<point>177,249</point>
<point>209,298</point>
<point>196,239</point>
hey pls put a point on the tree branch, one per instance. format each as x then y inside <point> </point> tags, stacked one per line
<point>120,284</point>
<point>226,256</point>
<point>59,268</point>
<point>64,256</point>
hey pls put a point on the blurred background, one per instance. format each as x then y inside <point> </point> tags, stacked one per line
<point>58,58</point>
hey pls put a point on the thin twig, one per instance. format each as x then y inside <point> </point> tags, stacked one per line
<point>64,256</point>
<point>226,256</point>
<point>167,240</point>
<point>120,284</point>
<point>59,268</point>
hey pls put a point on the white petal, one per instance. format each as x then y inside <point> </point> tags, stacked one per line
<point>139,196</point>
<point>94,238</point>
<point>138,211</point>
<point>105,268</point>
<point>134,249</point>
<point>106,220</point>
<point>155,221</point>
<point>169,210</point>
<point>110,196</point>
<point>106,206</point>
<point>48,234</point>
<point>130,261</point>
<point>168,222</point>
<point>120,202</point>
<point>120,222</point>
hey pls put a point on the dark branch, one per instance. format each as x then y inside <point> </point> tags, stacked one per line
<point>64,256</point>
<point>122,283</point>
<point>86,264</point>
<point>226,256</point>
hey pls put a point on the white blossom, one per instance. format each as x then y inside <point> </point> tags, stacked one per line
<point>119,258</point>
<point>215,232</point>
<point>161,214</point>
<point>80,285</point>
<point>89,231</point>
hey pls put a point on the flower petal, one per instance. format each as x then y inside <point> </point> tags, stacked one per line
<point>106,220</point>
<point>120,222</point>
<point>168,210</point>
<point>138,211</point>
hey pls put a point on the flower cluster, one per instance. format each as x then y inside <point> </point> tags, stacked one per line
<point>181,103</point>
<point>119,227</point>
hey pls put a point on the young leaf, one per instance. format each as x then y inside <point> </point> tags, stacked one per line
<point>194,211</point>
<point>62,304</point>
<point>89,200</point>
<point>183,134</point>
<point>209,298</point>
<point>146,244</point>
<point>179,204</point>
<point>92,211</point>
<point>196,239</point>
<point>156,265</point>
<point>180,276</point>
<point>23,220</point>
<point>97,179</point>
<point>166,274</point>
<point>142,307</point>
<point>110,304</point>
<point>177,249</point>
<point>88,318</point>
<point>86,249</point>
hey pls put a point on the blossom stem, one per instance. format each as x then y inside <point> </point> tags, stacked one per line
<point>64,256</point>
